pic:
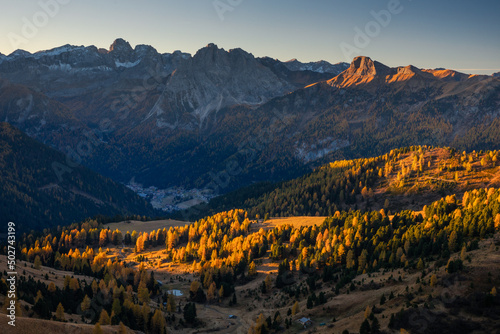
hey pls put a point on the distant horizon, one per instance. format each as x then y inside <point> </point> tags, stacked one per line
<point>466,71</point>
<point>458,35</point>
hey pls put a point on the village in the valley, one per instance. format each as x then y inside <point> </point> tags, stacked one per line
<point>171,199</point>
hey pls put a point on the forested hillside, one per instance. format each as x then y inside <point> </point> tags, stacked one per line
<point>401,179</point>
<point>226,251</point>
<point>39,189</point>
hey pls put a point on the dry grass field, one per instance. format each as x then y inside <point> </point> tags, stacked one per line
<point>294,221</point>
<point>147,226</point>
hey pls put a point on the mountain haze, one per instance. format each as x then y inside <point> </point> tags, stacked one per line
<point>222,119</point>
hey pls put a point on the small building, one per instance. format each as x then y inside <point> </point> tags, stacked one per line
<point>306,322</point>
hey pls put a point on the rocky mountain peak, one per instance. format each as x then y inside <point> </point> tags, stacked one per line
<point>120,45</point>
<point>20,53</point>
<point>215,78</point>
<point>365,66</point>
<point>212,57</point>
<point>121,51</point>
<point>208,54</point>
<point>410,69</point>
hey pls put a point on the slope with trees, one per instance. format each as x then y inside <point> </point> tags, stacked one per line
<point>39,190</point>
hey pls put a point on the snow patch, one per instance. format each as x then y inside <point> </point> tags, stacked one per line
<point>99,68</point>
<point>61,67</point>
<point>68,68</point>
<point>57,51</point>
<point>321,66</point>
<point>127,64</point>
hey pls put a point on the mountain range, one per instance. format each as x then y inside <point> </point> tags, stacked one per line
<point>223,119</point>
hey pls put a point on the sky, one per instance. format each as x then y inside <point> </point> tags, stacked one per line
<point>457,34</point>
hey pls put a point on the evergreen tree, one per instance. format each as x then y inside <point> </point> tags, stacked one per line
<point>382,299</point>
<point>375,327</point>
<point>309,302</point>
<point>116,307</point>
<point>234,299</point>
<point>190,313</point>
<point>365,327</point>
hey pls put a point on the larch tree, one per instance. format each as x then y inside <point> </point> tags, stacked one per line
<point>171,303</point>
<point>38,262</point>
<point>158,323</point>
<point>60,313</point>
<point>122,329</point>
<point>212,290</point>
<point>143,294</point>
<point>433,281</point>
<point>295,308</point>
<point>252,271</point>
<point>97,329</point>
<point>39,296</point>
<point>52,287</point>
<point>104,318</point>
<point>268,281</point>
<point>368,311</point>
<point>85,305</point>
<point>350,260</point>
<point>195,285</point>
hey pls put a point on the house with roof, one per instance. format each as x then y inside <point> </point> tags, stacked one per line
<point>306,322</point>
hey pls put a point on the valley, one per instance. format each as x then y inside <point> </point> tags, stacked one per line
<point>171,199</point>
<point>431,268</point>
<point>216,191</point>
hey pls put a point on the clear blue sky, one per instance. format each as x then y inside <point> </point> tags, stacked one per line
<point>457,34</point>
